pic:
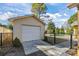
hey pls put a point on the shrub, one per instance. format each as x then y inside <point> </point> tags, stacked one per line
<point>45,38</point>
<point>17,43</point>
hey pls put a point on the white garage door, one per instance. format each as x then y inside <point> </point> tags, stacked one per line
<point>30,33</point>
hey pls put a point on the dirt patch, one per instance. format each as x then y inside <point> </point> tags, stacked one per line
<point>15,52</point>
<point>72,51</point>
<point>4,50</point>
<point>20,52</point>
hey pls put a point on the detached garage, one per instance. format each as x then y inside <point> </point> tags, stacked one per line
<point>27,29</point>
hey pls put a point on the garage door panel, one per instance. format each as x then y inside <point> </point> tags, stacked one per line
<point>30,33</point>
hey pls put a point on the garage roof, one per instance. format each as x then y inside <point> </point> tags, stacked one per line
<point>21,17</point>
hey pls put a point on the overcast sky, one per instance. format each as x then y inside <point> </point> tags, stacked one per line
<point>57,11</point>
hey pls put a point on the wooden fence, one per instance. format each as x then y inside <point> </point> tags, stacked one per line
<point>6,39</point>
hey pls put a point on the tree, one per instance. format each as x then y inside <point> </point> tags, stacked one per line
<point>51,30</point>
<point>57,30</point>
<point>72,18</point>
<point>51,27</point>
<point>62,30</point>
<point>38,8</point>
<point>10,26</point>
<point>68,30</point>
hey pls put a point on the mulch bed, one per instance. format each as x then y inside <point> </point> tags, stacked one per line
<point>4,50</point>
<point>11,51</point>
<point>72,51</point>
<point>16,52</point>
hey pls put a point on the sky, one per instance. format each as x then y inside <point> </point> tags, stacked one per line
<point>58,12</point>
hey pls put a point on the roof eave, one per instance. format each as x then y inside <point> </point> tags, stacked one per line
<point>72,5</point>
<point>16,18</point>
<point>74,23</point>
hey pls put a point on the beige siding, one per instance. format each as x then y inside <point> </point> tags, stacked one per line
<point>27,21</point>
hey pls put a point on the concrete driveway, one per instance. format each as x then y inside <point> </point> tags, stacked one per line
<point>32,46</point>
<point>52,50</point>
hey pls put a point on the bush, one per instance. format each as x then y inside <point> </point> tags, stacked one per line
<point>45,38</point>
<point>17,43</point>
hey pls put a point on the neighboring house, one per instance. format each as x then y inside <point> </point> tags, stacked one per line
<point>28,28</point>
<point>75,28</point>
<point>4,29</point>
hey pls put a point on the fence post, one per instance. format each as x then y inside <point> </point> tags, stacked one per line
<point>54,36</point>
<point>12,38</point>
<point>71,43</point>
<point>1,39</point>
